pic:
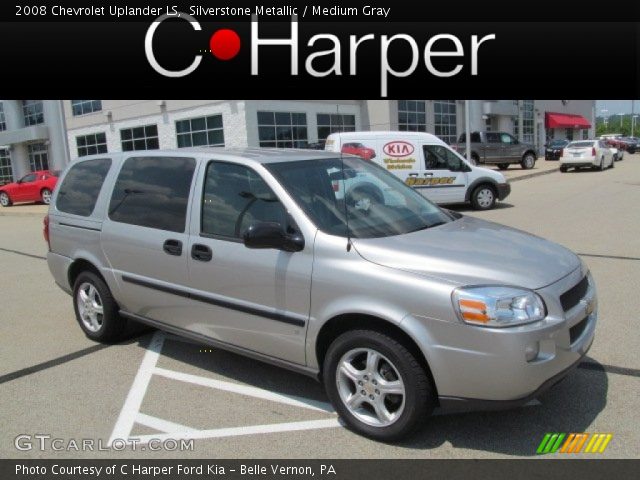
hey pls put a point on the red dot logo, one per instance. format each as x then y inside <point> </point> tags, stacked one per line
<point>224,44</point>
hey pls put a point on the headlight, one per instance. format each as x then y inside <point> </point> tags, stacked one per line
<point>498,306</point>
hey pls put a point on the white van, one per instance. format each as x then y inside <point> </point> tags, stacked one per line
<point>426,163</point>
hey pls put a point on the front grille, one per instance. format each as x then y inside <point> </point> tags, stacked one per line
<point>572,297</point>
<point>577,330</point>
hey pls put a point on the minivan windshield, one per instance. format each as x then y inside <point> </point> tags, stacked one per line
<point>357,198</point>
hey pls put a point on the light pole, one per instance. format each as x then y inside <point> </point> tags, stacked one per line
<point>604,112</point>
<point>633,123</point>
<point>620,115</point>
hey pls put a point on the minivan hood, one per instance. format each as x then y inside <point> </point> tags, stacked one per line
<point>472,251</point>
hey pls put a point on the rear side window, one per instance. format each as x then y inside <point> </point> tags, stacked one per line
<point>81,186</point>
<point>153,192</point>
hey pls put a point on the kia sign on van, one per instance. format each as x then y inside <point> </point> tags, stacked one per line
<point>424,162</point>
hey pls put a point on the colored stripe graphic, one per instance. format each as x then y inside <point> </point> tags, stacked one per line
<point>574,443</point>
<point>550,443</point>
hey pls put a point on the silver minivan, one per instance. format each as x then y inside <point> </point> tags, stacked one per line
<point>396,305</point>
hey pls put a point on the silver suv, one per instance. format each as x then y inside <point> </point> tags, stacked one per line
<point>397,305</point>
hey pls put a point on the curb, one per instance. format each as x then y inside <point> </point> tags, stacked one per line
<point>22,214</point>
<point>531,175</point>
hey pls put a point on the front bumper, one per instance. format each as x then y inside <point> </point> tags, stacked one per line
<point>552,155</point>
<point>504,189</point>
<point>476,367</point>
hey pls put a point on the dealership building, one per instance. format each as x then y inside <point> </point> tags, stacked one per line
<point>101,126</point>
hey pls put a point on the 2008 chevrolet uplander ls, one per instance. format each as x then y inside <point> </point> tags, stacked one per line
<point>397,305</point>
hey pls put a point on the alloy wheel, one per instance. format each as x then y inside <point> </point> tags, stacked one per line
<point>370,386</point>
<point>90,307</point>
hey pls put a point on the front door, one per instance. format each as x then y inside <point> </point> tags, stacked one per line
<point>27,189</point>
<point>494,149</point>
<point>257,299</point>
<point>444,178</point>
<point>511,147</point>
<point>144,235</point>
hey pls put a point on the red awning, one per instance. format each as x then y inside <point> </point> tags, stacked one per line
<point>565,120</point>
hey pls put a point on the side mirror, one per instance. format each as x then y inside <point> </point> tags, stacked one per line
<point>272,235</point>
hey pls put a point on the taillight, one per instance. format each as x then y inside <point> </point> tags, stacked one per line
<point>593,151</point>
<point>45,231</point>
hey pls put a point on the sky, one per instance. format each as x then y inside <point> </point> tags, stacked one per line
<point>615,106</point>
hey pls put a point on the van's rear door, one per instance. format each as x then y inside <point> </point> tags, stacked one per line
<point>144,234</point>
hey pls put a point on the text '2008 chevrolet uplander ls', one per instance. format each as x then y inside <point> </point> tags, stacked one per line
<point>397,305</point>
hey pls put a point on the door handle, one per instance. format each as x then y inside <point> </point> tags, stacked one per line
<point>428,174</point>
<point>413,174</point>
<point>173,247</point>
<point>201,252</point>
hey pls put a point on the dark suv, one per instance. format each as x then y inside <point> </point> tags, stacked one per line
<point>498,148</point>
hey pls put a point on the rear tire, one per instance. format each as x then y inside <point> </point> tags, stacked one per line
<point>45,196</point>
<point>5,200</point>
<point>96,310</point>
<point>475,160</point>
<point>601,167</point>
<point>528,161</point>
<point>483,197</point>
<point>563,169</point>
<point>368,361</point>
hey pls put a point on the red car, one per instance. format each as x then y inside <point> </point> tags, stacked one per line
<point>356,148</point>
<point>33,187</point>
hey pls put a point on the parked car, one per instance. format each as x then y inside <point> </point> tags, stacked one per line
<point>629,144</point>
<point>319,145</point>
<point>33,187</point>
<point>587,153</point>
<point>621,142</point>
<point>358,149</point>
<point>397,307</point>
<point>553,150</point>
<point>497,148</point>
<point>426,163</point>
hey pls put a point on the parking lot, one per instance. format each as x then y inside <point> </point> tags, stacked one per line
<point>54,381</point>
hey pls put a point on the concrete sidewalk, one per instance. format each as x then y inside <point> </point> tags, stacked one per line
<point>24,209</point>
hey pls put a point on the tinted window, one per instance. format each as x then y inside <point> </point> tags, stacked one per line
<point>235,197</point>
<point>438,157</point>
<point>493,137</point>
<point>29,178</point>
<point>475,137</point>
<point>582,144</point>
<point>81,186</point>
<point>506,138</point>
<point>153,192</point>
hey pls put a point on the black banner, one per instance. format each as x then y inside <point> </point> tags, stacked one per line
<point>205,57</point>
<point>324,469</point>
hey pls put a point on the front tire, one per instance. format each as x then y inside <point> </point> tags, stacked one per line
<point>45,196</point>
<point>563,169</point>
<point>96,310</point>
<point>483,197</point>
<point>528,161</point>
<point>377,386</point>
<point>5,201</point>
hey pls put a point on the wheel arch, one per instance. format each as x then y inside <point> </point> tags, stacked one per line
<point>530,151</point>
<point>342,323</point>
<point>80,265</point>
<point>480,181</point>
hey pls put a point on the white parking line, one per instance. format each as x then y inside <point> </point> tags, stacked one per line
<point>130,414</point>
<point>131,407</point>
<point>246,390</point>
<point>162,425</point>
<point>239,431</point>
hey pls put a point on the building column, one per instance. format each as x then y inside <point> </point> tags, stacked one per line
<point>58,146</point>
<point>19,160</point>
